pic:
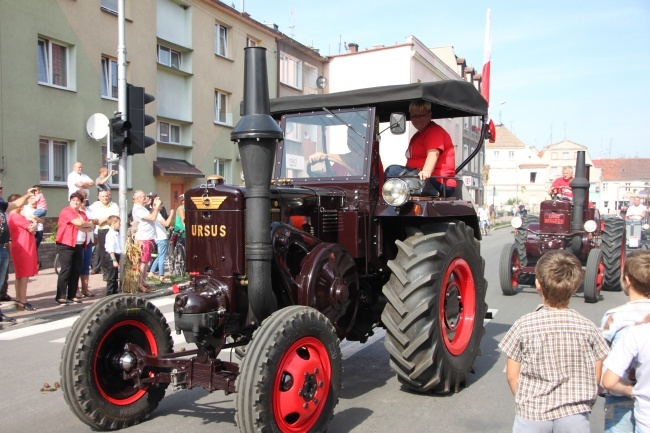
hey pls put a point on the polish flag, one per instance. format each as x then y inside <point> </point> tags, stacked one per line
<point>487,52</point>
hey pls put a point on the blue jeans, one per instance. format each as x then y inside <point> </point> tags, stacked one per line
<point>4,265</point>
<point>159,263</point>
<point>40,213</point>
<point>619,414</point>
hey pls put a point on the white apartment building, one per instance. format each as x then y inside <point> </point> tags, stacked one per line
<point>410,62</point>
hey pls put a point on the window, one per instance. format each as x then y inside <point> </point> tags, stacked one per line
<point>496,154</point>
<point>220,40</point>
<point>221,108</point>
<point>109,5</point>
<point>533,176</point>
<point>465,151</point>
<point>290,71</point>
<point>565,155</point>
<point>109,78</point>
<point>169,133</point>
<point>511,154</point>
<point>250,42</point>
<point>221,168</point>
<point>604,187</point>
<point>52,63</point>
<point>169,57</point>
<point>53,155</point>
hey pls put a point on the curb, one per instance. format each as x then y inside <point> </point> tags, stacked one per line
<point>71,311</point>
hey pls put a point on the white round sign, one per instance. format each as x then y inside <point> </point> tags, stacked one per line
<point>97,126</point>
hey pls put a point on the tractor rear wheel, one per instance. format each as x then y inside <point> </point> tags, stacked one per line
<point>94,355</point>
<point>613,248</point>
<point>436,306</point>
<point>509,267</point>
<point>291,374</point>
<point>594,276</point>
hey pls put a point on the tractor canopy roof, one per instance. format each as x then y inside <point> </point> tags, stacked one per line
<point>449,98</point>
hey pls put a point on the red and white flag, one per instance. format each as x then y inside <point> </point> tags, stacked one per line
<point>487,52</point>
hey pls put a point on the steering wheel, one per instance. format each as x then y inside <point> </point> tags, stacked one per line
<point>559,193</point>
<point>328,167</point>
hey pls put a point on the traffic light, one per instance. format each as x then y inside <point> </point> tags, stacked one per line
<point>136,100</point>
<point>119,130</point>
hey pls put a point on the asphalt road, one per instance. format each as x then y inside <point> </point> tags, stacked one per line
<point>371,399</point>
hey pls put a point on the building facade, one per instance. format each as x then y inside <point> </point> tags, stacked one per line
<point>410,62</point>
<point>60,67</point>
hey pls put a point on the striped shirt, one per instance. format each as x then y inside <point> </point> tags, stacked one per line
<point>558,351</point>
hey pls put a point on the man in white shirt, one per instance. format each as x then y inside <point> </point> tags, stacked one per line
<point>102,209</point>
<point>636,210</point>
<point>145,233</point>
<point>77,180</point>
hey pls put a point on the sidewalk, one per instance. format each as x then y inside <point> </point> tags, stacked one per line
<point>41,291</point>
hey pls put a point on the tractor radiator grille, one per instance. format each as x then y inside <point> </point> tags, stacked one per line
<point>329,221</point>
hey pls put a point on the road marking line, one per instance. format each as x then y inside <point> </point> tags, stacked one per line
<point>64,323</point>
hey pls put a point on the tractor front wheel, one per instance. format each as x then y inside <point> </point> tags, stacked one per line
<point>95,362</point>
<point>509,269</point>
<point>291,374</point>
<point>594,276</point>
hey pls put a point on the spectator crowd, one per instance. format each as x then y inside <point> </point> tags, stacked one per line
<point>87,237</point>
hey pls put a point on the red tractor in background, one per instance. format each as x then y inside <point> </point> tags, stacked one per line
<point>573,225</point>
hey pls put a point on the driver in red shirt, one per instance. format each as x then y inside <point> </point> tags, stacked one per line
<point>562,185</point>
<point>430,153</point>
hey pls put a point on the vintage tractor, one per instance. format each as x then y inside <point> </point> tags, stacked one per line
<point>637,231</point>
<point>573,225</point>
<point>306,254</point>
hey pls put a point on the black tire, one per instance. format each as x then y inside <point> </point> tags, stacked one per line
<point>179,259</point>
<point>509,264</point>
<point>436,306</point>
<point>613,248</point>
<point>295,339</point>
<point>520,247</point>
<point>92,384</point>
<point>57,264</point>
<point>594,276</point>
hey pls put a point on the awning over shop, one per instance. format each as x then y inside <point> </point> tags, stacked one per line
<point>175,167</point>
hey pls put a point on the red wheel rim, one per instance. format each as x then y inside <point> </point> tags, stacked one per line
<point>457,306</point>
<point>301,385</point>
<point>600,275</point>
<point>514,271</point>
<point>108,376</point>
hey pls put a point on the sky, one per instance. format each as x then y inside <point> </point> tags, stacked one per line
<point>575,70</point>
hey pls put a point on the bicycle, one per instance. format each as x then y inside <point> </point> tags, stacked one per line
<point>176,253</point>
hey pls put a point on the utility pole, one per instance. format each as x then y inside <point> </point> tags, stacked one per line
<point>121,107</point>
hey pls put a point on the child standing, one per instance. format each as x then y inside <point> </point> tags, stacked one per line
<point>617,322</point>
<point>41,203</point>
<point>113,247</point>
<point>554,354</point>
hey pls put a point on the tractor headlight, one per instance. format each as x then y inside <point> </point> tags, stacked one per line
<point>395,192</point>
<point>590,226</point>
<point>516,222</point>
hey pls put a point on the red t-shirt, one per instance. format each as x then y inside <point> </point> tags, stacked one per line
<point>563,187</point>
<point>433,137</point>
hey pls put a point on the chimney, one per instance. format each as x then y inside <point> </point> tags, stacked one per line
<point>353,48</point>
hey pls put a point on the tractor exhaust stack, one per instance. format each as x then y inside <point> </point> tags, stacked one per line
<point>256,134</point>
